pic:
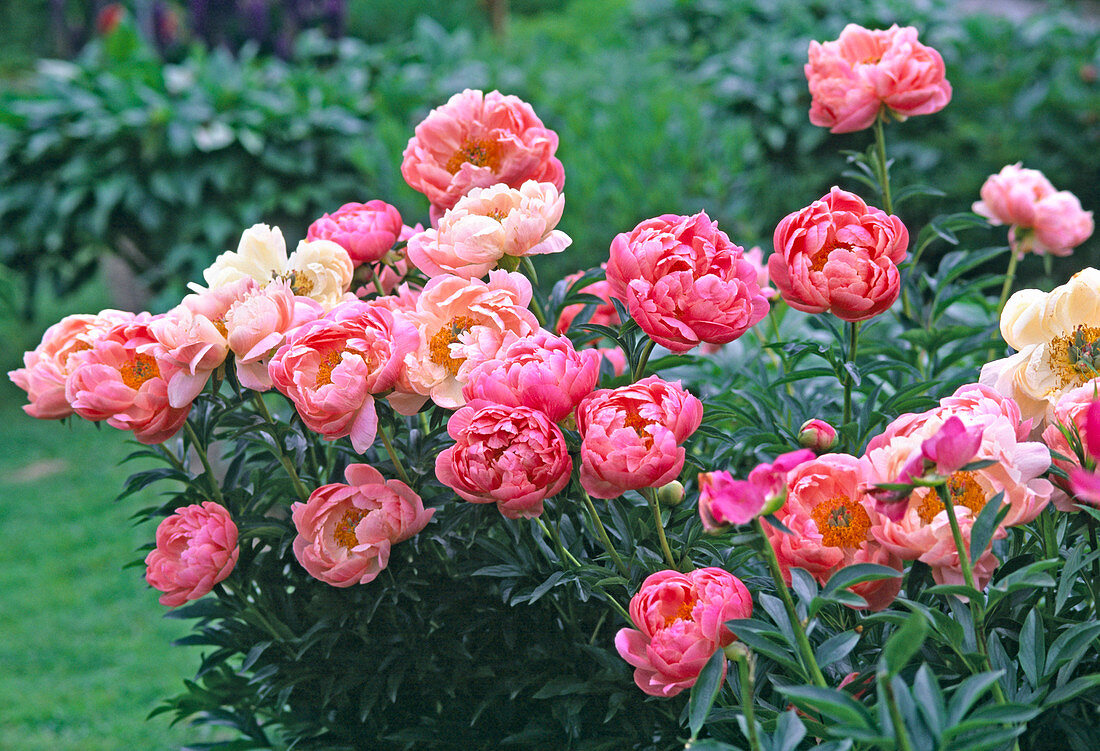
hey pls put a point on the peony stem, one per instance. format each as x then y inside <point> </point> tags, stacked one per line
<point>805,651</point>
<point>883,170</point>
<point>300,489</point>
<point>651,496</point>
<point>745,671</point>
<point>563,554</point>
<point>1010,276</point>
<point>215,487</point>
<point>397,465</point>
<point>639,369</point>
<point>853,344</point>
<point>601,531</point>
<point>377,280</point>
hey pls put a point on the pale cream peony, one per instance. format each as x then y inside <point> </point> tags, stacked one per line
<point>1057,338</point>
<point>319,269</point>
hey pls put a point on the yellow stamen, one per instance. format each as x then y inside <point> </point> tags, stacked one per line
<point>344,534</point>
<point>300,284</point>
<point>842,522</point>
<point>683,613</point>
<point>139,370</point>
<point>329,362</point>
<point>964,490</point>
<point>439,346</point>
<point>1075,358</point>
<point>478,152</point>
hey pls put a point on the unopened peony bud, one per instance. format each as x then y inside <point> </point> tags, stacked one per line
<point>671,494</point>
<point>817,435</point>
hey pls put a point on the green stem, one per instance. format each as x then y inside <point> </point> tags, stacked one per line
<point>883,171</point>
<point>563,554</point>
<point>900,735</point>
<point>805,651</point>
<point>397,465</point>
<point>1010,276</point>
<point>377,280</point>
<point>745,671</point>
<point>288,465</point>
<point>853,344</point>
<point>639,369</point>
<point>651,496</point>
<point>215,487</point>
<point>601,531</point>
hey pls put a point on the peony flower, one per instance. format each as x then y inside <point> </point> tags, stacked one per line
<point>840,255</point>
<point>817,435</point>
<point>540,371</point>
<point>865,73</point>
<point>194,345</point>
<point>513,456</point>
<point>1078,414</point>
<point>1057,338</point>
<point>631,436</point>
<point>366,231</point>
<point>260,256</point>
<point>462,323</point>
<point>332,366</point>
<point>679,622</point>
<point>1042,219</point>
<point>48,365</point>
<point>952,447</point>
<point>724,501</point>
<point>320,270</point>
<point>489,223</point>
<point>196,549</point>
<point>831,517</point>
<point>684,282</point>
<point>346,531</point>
<point>123,379</point>
<point>476,140</point>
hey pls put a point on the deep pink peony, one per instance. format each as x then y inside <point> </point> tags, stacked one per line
<point>331,368</point>
<point>684,282</point>
<point>48,365</point>
<point>124,379</point>
<point>196,549</point>
<point>831,517</point>
<point>1072,413</point>
<point>631,436</point>
<point>346,531</point>
<point>679,621</point>
<point>476,140</point>
<point>724,501</point>
<point>1042,220</point>
<point>866,72</point>
<point>366,231</point>
<point>541,371</point>
<point>512,456</point>
<point>839,254</point>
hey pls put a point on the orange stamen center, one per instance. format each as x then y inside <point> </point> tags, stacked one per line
<point>842,522</point>
<point>219,324</point>
<point>1075,358</point>
<point>344,534</point>
<point>478,152</point>
<point>439,346</point>
<point>683,613</point>
<point>139,370</point>
<point>817,262</point>
<point>964,490</point>
<point>329,362</point>
<point>638,424</point>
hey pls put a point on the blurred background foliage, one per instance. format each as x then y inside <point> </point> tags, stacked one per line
<point>173,126</point>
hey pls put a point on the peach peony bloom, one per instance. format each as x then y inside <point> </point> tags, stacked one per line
<point>684,282</point>
<point>831,517</point>
<point>48,365</point>
<point>631,436</point>
<point>462,323</point>
<point>489,223</point>
<point>332,366</point>
<point>679,622</point>
<point>840,255</point>
<point>476,140</point>
<point>257,324</point>
<point>366,231</point>
<point>1072,414</point>
<point>1057,338</point>
<point>541,371</point>
<point>192,343</point>
<point>1042,219</point>
<point>346,531</point>
<point>867,72</point>
<point>124,379</point>
<point>196,549</point>
<point>513,456</point>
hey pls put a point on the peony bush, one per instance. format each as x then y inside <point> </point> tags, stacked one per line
<point>414,498</point>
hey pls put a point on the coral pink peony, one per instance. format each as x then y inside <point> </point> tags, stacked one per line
<point>679,622</point>
<point>196,549</point>
<point>1072,414</point>
<point>512,456</point>
<point>366,231</point>
<point>864,73</point>
<point>488,224</point>
<point>346,531</point>
<point>631,436</point>
<point>462,323</point>
<point>839,254</point>
<point>331,368</point>
<point>1043,220</point>
<point>123,379</point>
<point>48,365</point>
<point>831,518</point>
<point>195,345</point>
<point>476,140</point>
<point>684,282</point>
<point>541,371</point>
